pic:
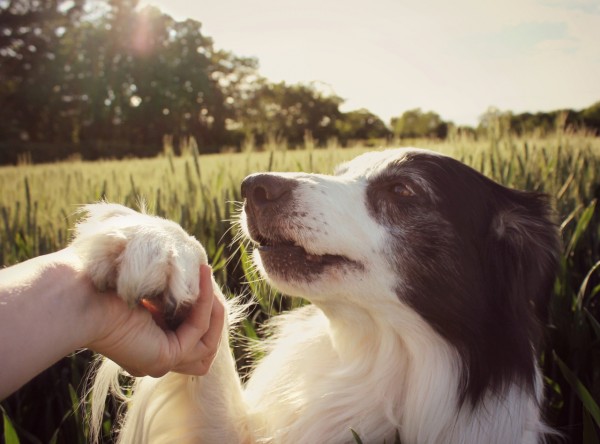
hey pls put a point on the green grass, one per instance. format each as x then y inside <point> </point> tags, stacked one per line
<point>38,206</point>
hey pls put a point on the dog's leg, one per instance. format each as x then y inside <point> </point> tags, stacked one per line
<point>147,257</point>
<point>187,409</point>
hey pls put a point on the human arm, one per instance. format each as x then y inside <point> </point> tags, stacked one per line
<point>49,308</point>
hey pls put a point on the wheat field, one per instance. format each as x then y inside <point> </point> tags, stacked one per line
<point>38,207</point>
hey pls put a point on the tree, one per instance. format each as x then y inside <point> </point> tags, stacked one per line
<point>494,122</point>
<point>150,76</point>
<point>415,123</point>
<point>31,32</point>
<point>591,117</point>
<point>361,125</point>
<point>111,81</point>
<point>238,82</point>
<point>290,112</point>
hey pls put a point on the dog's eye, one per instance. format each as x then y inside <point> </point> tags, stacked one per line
<point>401,190</point>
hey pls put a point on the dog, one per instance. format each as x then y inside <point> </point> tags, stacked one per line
<point>428,284</point>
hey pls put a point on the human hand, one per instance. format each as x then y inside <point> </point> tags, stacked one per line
<point>134,340</point>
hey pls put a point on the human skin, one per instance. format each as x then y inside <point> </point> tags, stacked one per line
<point>49,309</point>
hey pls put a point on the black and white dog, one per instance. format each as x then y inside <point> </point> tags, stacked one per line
<point>429,285</point>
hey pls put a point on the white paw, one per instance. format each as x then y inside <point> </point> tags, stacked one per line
<point>140,256</point>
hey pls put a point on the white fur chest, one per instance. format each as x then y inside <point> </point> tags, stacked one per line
<point>304,391</point>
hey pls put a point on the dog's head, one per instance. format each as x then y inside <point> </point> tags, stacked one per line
<point>412,229</point>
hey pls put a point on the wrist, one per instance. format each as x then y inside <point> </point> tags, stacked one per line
<point>84,306</point>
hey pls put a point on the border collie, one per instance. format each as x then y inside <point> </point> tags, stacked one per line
<point>429,285</point>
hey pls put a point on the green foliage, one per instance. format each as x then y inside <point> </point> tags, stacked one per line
<point>494,121</point>
<point>109,80</point>
<point>103,79</point>
<point>591,117</point>
<point>582,393</point>
<point>418,124</point>
<point>361,125</point>
<point>10,434</point>
<point>38,205</point>
<point>289,112</point>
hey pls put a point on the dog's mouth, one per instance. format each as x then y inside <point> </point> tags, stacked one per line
<point>278,253</point>
<point>296,250</point>
<point>286,250</point>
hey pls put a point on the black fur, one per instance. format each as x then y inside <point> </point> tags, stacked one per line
<point>477,260</point>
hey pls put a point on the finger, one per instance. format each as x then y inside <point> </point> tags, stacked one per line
<point>198,320</point>
<point>203,354</point>
<point>212,337</point>
<point>198,360</point>
<point>199,367</point>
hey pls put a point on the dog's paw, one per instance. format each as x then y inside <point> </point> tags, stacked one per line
<point>142,257</point>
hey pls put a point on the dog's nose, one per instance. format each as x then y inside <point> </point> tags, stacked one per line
<point>265,189</point>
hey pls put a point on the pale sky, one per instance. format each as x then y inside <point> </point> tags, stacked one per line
<point>454,57</point>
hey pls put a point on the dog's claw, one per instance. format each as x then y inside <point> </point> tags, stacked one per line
<point>167,314</point>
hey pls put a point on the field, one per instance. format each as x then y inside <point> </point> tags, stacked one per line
<point>38,206</point>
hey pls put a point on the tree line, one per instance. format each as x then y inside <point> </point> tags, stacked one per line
<point>101,78</point>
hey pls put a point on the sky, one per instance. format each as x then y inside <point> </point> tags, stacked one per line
<point>457,58</point>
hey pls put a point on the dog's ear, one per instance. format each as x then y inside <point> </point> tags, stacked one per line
<point>522,248</point>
